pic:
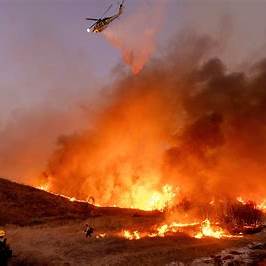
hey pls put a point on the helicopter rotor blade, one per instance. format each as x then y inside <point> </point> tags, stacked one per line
<point>93,19</point>
<point>106,10</point>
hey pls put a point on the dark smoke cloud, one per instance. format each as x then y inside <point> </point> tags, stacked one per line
<point>184,120</point>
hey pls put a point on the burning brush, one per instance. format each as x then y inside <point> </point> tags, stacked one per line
<point>242,217</point>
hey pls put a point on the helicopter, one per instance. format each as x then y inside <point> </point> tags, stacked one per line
<point>103,22</point>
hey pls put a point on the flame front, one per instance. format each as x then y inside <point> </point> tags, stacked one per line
<point>143,199</point>
<point>155,200</point>
<point>208,231</point>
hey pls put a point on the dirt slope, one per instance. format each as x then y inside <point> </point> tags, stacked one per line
<point>26,205</point>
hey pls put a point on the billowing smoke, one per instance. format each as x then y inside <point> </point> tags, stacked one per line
<point>185,120</point>
<point>135,35</point>
<point>28,139</point>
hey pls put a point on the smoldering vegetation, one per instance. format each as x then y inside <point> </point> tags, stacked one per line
<point>186,120</point>
<point>238,217</point>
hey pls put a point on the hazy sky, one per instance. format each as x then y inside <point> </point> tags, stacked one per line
<point>50,67</point>
<point>44,43</point>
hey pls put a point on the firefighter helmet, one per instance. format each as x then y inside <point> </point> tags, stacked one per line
<point>2,233</point>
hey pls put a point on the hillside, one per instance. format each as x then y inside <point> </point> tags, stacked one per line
<point>26,205</point>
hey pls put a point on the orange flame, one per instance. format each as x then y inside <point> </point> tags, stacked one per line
<point>153,200</point>
<point>262,206</point>
<point>160,231</point>
<point>207,230</point>
<point>130,236</point>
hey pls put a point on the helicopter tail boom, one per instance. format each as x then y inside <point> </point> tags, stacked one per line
<point>121,8</point>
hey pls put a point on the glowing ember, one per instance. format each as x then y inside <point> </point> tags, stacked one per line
<point>130,236</point>
<point>101,235</point>
<point>44,187</point>
<point>240,199</point>
<point>262,206</point>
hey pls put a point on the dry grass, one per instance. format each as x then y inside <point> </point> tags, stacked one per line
<point>64,243</point>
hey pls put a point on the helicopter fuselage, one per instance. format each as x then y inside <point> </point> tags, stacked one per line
<point>102,24</point>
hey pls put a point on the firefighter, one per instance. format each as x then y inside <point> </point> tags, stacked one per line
<point>5,251</point>
<point>2,238</point>
<point>88,230</point>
